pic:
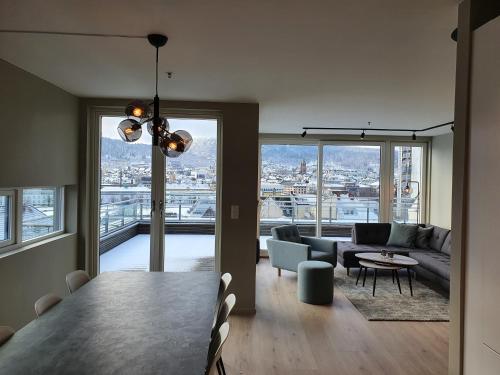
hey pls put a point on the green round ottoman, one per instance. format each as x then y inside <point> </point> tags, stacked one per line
<point>315,282</point>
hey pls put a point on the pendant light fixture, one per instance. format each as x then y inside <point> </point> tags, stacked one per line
<point>172,144</point>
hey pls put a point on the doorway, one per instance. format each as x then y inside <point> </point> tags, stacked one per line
<point>157,213</point>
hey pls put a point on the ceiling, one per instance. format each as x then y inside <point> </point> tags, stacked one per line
<point>315,63</point>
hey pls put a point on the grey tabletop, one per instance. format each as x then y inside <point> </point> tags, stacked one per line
<point>121,323</point>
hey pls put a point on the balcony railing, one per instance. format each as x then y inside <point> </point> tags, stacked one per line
<point>186,208</point>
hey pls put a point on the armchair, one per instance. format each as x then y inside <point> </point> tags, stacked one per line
<point>288,248</point>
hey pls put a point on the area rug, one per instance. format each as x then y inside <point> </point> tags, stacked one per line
<point>388,305</point>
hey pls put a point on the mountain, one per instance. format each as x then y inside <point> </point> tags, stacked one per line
<point>201,154</point>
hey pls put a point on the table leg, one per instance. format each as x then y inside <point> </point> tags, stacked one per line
<point>397,278</point>
<point>409,280</point>
<point>374,280</point>
<point>392,271</point>
<point>359,274</point>
<point>364,277</point>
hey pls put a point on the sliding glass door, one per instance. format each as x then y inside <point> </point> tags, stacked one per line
<point>191,199</point>
<point>157,213</point>
<point>125,200</point>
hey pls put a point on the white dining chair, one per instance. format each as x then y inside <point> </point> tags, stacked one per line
<point>45,303</point>
<point>225,280</point>
<point>215,351</point>
<point>5,334</point>
<point>76,280</point>
<point>224,312</point>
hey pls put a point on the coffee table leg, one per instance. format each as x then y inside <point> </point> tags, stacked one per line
<point>364,277</point>
<point>374,280</point>
<point>397,278</point>
<point>409,280</point>
<point>392,271</point>
<point>359,273</point>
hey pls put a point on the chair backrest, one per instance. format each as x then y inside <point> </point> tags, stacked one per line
<point>45,303</point>
<point>289,233</point>
<point>225,280</point>
<point>76,279</point>
<point>224,312</point>
<point>215,350</point>
<point>5,334</point>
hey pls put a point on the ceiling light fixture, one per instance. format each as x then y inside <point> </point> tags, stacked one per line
<point>304,133</point>
<point>172,144</point>
<point>363,134</point>
<point>414,137</point>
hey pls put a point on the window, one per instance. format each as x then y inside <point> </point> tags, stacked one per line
<point>41,212</point>
<point>288,188</point>
<point>408,165</point>
<point>29,214</point>
<point>351,184</point>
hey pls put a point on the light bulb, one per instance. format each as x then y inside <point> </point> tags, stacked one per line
<point>137,112</point>
<point>172,146</point>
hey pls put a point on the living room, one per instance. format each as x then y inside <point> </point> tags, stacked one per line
<point>257,188</point>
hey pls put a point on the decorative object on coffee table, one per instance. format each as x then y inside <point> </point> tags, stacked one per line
<point>398,261</point>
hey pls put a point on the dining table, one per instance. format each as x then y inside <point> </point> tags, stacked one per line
<point>121,323</point>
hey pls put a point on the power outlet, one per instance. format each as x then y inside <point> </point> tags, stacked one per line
<point>235,211</point>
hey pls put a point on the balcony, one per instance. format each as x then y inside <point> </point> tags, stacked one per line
<point>190,225</point>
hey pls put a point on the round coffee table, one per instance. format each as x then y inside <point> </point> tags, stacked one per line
<point>377,261</point>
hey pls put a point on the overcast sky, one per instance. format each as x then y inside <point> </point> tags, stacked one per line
<point>197,128</point>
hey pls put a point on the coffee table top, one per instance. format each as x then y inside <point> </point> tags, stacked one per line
<point>398,260</point>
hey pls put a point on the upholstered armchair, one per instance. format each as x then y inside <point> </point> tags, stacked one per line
<point>288,248</point>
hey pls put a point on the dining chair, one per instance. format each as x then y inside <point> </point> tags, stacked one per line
<point>45,303</point>
<point>5,334</point>
<point>225,280</point>
<point>224,312</point>
<point>76,279</point>
<point>215,351</point>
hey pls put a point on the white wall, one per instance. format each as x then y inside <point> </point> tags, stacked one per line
<point>441,180</point>
<point>482,276</point>
<point>38,147</point>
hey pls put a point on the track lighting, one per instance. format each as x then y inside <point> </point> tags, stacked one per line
<point>139,112</point>
<point>453,127</point>
<point>363,134</point>
<point>304,133</point>
<point>414,137</point>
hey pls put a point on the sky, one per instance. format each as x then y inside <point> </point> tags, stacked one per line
<point>198,128</point>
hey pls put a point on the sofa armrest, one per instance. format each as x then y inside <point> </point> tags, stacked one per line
<point>287,255</point>
<point>319,244</point>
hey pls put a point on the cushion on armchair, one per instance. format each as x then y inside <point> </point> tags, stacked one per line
<point>289,233</point>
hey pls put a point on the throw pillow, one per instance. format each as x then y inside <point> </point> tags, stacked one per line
<point>402,235</point>
<point>423,237</point>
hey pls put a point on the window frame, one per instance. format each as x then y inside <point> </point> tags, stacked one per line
<point>16,242</point>
<point>11,217</point>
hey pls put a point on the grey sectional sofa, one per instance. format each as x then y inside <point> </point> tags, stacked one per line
<point>434,262</point>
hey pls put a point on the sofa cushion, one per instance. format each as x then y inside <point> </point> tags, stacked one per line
<point>423,237</point>
<point>288,233</point>
<point>402,235</point>
<point>446,248</point>
<point>437,238</point>
<point>433,261</point>
<point>371,233</point>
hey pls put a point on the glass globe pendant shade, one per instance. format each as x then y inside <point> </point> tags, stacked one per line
<point>175,144</point>
<point>130,130</point>
<point>407,189</point>
<point>162,129</point>
<point>138,109</point>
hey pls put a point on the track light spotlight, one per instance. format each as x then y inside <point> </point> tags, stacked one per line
<point>414,137</point>
<point>363,134</point>
<point>452,127</point>
<point>304,133</point>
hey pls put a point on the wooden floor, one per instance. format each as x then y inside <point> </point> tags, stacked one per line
<point>290,337</point>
